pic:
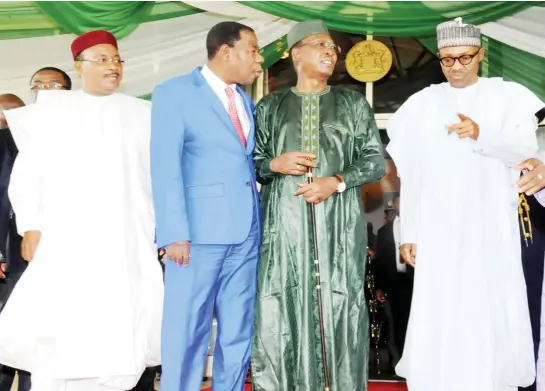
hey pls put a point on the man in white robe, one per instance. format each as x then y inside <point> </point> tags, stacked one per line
<point>89,304</point>
<point>455,146</point>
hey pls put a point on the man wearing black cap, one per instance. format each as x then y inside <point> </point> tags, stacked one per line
<point>81,191</point>
<point>331,130</point>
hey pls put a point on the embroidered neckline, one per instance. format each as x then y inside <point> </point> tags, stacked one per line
<point>325,91</point>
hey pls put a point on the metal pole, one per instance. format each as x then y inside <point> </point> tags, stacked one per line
<point>369,86</point>
<point>318,286</point>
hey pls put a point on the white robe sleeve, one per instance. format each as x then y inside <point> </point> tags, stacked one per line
<point>516,140</point>
<point>25,187</point>
<point>404,150</point>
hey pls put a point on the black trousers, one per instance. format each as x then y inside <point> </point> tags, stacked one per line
<point>532,264</point>
<point>146,382</point>
<point>400,300</point>
<point>7,374</point>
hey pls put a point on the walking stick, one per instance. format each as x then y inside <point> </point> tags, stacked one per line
<point>318,285</point>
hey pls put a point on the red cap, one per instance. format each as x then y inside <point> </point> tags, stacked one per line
<point>92,38</point>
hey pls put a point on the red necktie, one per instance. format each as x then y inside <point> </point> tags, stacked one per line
<point>233,114</point>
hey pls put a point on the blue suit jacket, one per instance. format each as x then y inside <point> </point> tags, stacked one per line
<point>203,179</point>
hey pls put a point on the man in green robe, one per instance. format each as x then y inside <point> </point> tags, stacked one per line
<point>335,128</point>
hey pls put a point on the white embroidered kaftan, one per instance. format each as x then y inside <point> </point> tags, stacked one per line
<point>89,305</point>
<point>469,326</point>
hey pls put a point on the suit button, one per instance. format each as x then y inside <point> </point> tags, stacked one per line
<point>249,184</point>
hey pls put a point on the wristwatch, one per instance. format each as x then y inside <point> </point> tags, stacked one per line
<point>341,186</point>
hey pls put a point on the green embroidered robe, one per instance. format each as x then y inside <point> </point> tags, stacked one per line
<point>339,127</point>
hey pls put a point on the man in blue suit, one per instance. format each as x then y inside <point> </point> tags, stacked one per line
<point>207,211</point>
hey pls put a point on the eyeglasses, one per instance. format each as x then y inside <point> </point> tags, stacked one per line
<point>103,61</point>
<point>324,45</point>
<point>465,59</point>
<point>47,86</point>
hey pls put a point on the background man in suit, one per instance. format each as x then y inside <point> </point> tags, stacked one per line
<point>393,277</point>
<point>207,211</point>
<point>49,78</point>
<point>532,242</point>
<point>12,265</point>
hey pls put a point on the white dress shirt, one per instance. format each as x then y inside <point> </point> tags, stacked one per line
<point>219,86</point>
<point>401,267</point>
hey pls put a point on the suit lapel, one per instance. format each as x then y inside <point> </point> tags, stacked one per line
<point>210,96</point>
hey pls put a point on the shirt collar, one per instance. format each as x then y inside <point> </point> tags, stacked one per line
<point>214,80</point>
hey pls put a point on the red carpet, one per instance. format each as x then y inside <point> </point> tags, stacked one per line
<point>372,387</point>
<point>387,387</point>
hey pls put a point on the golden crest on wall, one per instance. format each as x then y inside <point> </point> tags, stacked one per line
<point>368,61</point>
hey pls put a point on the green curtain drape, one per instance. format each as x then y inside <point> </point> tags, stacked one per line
<point>23,19</point>
<point>78,17</point>
<point>430,43</point>
<point>119,17</point>
<point>274,51</point>
<point>171,9</point>
<point>417,19</point>
<point>394,18</point>
<point>513,64</point>
<point>28,19</point>
<point>388,18</point>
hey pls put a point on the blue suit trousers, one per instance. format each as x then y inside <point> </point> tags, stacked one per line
<point>220,279</point>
